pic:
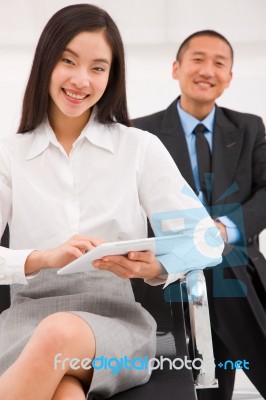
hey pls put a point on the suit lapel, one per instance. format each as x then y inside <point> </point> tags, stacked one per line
<point>227,146</point>
<point>173,137</point>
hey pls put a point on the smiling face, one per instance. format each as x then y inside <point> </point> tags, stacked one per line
<point>80,77</point>
<point>203,72</point>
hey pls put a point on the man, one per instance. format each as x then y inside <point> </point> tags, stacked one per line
<point>225,164</point>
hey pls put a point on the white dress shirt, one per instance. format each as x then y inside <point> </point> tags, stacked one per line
<point>112,179</point>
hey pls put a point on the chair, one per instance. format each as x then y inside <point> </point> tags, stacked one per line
<point>4,289</point>
<point>182,315</point>
<point>192,339</point>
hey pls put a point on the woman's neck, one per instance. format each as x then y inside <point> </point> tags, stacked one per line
<point>67,129</point>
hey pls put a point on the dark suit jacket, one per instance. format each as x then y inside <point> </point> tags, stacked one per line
<point>238,167</point>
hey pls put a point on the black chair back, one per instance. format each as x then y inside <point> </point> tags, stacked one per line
<point>4,289</point>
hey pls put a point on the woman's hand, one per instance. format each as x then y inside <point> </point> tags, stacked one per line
<point>62,255</point>
<point>137,264</point>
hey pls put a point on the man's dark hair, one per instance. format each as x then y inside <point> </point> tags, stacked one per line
<point>206,32</point>
<point>64,25</point>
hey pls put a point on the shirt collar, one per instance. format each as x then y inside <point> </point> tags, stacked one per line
<point>189,122</point>
<point>40,141</point>
<point>96,133</point>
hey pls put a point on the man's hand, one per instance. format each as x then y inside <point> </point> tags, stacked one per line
<point>222,229</point>
<point>137,264</point>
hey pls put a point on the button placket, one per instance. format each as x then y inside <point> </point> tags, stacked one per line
<point>71,196</point>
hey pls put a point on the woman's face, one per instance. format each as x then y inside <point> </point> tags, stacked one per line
<point>80,77</point>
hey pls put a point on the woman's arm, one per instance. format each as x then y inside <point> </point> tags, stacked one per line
<point>60,256</point>
<point>173,209</point>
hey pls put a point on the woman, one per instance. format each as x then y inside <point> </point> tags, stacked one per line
<point>74,176</point>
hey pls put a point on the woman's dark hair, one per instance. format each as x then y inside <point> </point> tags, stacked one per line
<point>64,25</point>
<point>207,32</point>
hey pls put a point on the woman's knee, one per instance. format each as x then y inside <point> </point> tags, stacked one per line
<point>62,336</point>
<point>58,333</point>
<point>69,388</point>
<point>55,331</point>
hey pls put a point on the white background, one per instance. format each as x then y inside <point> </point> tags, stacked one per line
<point>152,30</point>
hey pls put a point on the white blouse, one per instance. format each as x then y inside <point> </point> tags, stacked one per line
<point>113,178</point>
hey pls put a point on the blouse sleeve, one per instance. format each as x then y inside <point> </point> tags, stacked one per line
<point>11,261</point>
<point>174,209</point>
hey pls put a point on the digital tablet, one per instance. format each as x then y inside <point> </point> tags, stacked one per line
<point>159,245</point>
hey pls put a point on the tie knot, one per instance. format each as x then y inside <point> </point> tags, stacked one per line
<point>200,128</point>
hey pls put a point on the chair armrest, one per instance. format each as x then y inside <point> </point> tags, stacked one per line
<point>200,328</point>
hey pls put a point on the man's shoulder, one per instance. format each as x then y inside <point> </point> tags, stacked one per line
<point>149,121</point>
<point>154,122</point>
<point>238,117</point>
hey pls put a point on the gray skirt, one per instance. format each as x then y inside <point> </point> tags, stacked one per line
<point>105,302</point>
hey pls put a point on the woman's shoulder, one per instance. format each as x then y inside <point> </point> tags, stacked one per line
<point>17,142</point>
<point>131,134</point>
<point>13,139</point>
<point>17,137</point>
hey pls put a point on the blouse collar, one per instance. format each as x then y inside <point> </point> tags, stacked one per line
<point>96,133</point>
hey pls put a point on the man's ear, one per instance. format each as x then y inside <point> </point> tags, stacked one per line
<point>229,79</point>
<point>175,70</point>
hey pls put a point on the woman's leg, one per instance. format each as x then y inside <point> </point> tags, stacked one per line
<point>45,360</point>
<point>70,388</point>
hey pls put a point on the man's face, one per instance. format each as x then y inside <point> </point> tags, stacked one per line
<point>204,71</point>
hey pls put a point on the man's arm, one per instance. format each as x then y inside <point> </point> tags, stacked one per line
<point>253,209</point>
